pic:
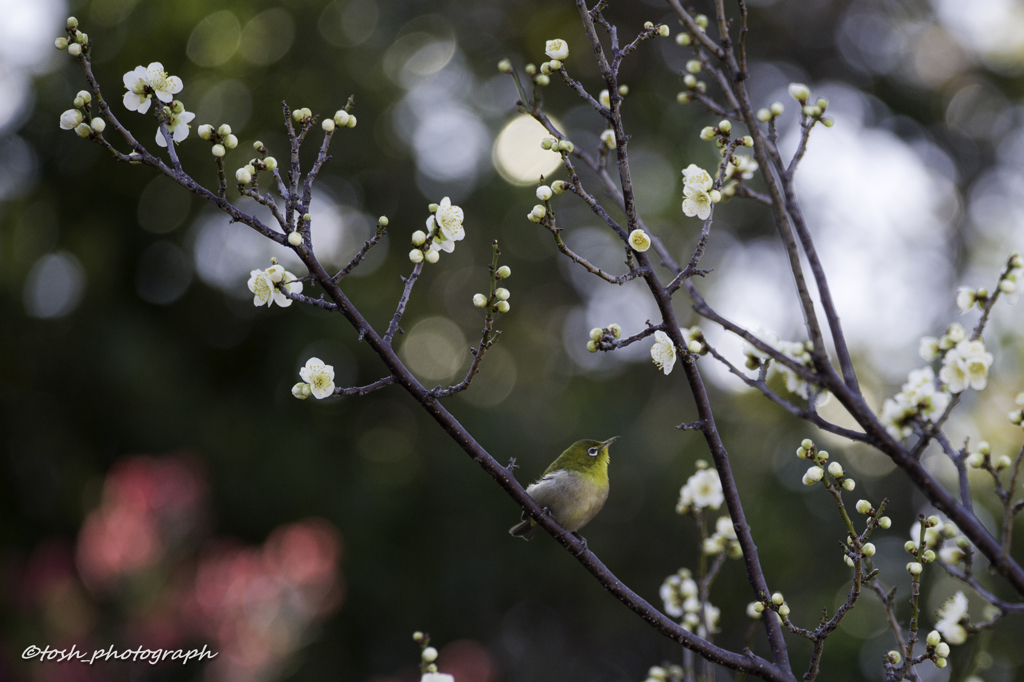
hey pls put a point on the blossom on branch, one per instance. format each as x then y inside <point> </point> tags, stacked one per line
<point>952,614</point>
<point>663,352</point>
<point>177,126</point>
<point>144,82</point>
<point>919,398</point>
<point>696,185</point>
<point>702,490</point>
<point>278,275</point>
<point>966,365</point>
<point>320,378</point>
<point>446,226</point>
<point>556,49</point>
<point>70,119</point>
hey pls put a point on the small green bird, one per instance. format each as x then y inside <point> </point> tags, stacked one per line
<point>573,488</point>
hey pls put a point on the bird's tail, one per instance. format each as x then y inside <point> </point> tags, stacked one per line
<point>524,529</point>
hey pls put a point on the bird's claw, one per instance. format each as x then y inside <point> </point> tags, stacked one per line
<point>583,541</point>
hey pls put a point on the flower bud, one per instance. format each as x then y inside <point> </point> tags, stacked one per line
<point>715,196</point>
<point>341,118</point>
<point>301,391</point>
<point>504,272</point>
<point>683,39</point>
<point>565,146</point>
<point>539,212</point>
<point>530,69</point>
<point>430,654</point>
<point>1016,417</point>
<point>224,130</point>
<point>748,141</point>
<point>543,192</point>
<point>503,306</point>
<point>205,131</point>
<point>942,651</point>
<point>555,64</point>
<point>328,125</point>
<point>975,460</point>
<point>297,115</point>
<point>83,130</point>
<point>801,453</point>
<point>849,484</point>
<point>933,638</point>
<point>230,141</point>
<point>243,176</point>
<point>1002,463</point>
<point>823,455</point>
<point>545,69</point>
<point>693,66</point>
<point>885,523</point>
<point>914,568</point>
<point>776,109</point>
<point>778,599</point>
<point>479,300</point>
<point>725,126</point>
<point>799,92</point>
<point>502,293</point>
<point>836,469</point>
<point>784,611</point>
<point>910,546</point>
<point>928,556</point>
<point>822,103</point>
<point>270,163</point>
<point>416,256</point>
<point>616,330</point>
<point>814,474</point>
<point>542,80</point>
<point>690,81</point>
<point>812,111</point>
<point>74,49</point>
<point>432,256</point>
<point>707,133</point>
<point>419,237</point>
<point>98,124</point>
<point>505,66</point>
<point>596,333</point>
<point>61,43</point>
<point>294,238</point>
<point>558,186</point>
<point>863,506</point>
<point>763,115</point>
<point>684,97</point>
<point>701,21</point>
<point>547,143</point>
<point>663,31</point>
<point>623,90</point>
<point>868,549</point>
<point>592,346</point>
<point>1007,286</point>
<point>894,657</point>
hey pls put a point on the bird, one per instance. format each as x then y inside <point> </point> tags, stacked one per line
<point>572,489</point>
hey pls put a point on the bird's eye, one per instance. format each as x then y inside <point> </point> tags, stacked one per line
<point>592,452</point>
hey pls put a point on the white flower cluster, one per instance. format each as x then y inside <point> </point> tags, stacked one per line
<point>942,538</point>
<point>679,593</point>
<point>966,364</point>
<point>663,352</point>
<point>444,228</point>
<point>794,350</point>
<point>317,380</point>
<point>703,490</point>
<point>952,617</point>
<point>723,540</point>
<point>697,193</point>
<point>263,285</point>
<point>920,398</point>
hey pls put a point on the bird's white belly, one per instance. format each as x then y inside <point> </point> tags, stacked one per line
<point>572,500</point>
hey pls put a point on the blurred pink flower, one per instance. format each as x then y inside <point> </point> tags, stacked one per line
<point>150,506</point>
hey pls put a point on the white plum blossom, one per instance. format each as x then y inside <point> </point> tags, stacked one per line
<point>177,126</point>
<point>966,365</point>
<point>965,299</point>
<point>70,119</point>
<point>918,398</point>
<point>556,49</point>
<point>262,288</point>
<point>320,378</point>
<point>929,348</point>
<point>301,390</point>
<point>605,99</point>
<point>164,87</point>
<point>279,275</point>
<point>639,240</point>
<point>448,221</point>
<point>608,138</point>
<point>702,490</point>
<point>951,616</point>
<point>696,185</point>
<point>663,352</point>
<point>138,96</point>
<point>744,168</point>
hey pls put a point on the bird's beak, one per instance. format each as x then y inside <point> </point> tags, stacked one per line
<point>609,442</point>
